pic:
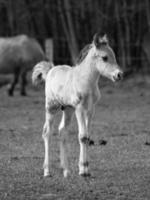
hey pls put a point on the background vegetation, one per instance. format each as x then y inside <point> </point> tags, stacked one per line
<point>72,24</point>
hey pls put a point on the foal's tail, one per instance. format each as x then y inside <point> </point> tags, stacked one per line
<point>40,72</point>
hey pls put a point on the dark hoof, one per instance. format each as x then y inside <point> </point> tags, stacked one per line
<point>147,143</point>
<point>23,94</point>
<point>10,93</point>
<point>47,176</point>
<point>85,175</point>
<point>91,142</point>
<point>102,142</point>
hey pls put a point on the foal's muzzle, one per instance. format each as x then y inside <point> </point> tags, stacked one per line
<point>118,76</point>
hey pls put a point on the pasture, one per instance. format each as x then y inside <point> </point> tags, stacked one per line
<point>120,168</point>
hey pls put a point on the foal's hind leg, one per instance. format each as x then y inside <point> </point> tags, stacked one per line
<point>63,131</point>
<point>47,131</point>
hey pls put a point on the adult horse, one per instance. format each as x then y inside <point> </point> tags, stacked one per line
<point>75,89</point>
<point>18,55</point>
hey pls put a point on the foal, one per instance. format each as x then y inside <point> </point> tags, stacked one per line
<point>75,89</point>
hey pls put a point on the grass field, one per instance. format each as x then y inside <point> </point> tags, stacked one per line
<point>120,169</point>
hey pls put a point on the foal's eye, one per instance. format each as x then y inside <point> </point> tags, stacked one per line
<point>105,58</point>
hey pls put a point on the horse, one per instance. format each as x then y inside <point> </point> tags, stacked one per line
<point>75,90</point>
<point>18,55</point>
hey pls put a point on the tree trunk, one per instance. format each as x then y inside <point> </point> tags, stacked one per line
<point>127,34</point>
<point>69,30</point>
<point>147,6</point>
<point>120,37</point>
<point>10,16</point>
<point>33,22</point>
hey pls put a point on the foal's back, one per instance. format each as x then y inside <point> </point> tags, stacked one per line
<point>59,75</point>
<point>59,80</point>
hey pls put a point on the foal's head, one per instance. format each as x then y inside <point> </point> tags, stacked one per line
<point>105,59</point>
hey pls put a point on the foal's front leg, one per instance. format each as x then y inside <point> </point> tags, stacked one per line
<point>83,125</point>
<point>47,131</point>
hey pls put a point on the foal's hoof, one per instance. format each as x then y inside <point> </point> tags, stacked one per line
<point>66,173</point>
<point>91,142</point>
<point>85,175</point>
<point>102,142</point>
<point>46,174</point>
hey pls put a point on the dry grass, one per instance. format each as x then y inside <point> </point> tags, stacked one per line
<point>120,169</point>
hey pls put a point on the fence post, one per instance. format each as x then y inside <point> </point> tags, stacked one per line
<point>49,48</point>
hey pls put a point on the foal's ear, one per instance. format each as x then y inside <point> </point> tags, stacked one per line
<point>100,39</point>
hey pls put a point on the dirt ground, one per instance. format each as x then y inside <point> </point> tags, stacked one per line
<point>120,168</point>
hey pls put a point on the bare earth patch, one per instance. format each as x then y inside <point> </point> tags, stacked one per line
<point>119,154</point>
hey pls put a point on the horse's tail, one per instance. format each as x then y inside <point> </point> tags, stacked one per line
<point>40,72</point>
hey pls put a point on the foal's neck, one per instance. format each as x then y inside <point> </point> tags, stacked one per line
<point>87,70</point>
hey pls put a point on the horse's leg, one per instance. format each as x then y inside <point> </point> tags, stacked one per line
<point>63,131</point>
<point>14,82</point>
<point>23,83</point>
<point>47,131</point>
<point>81,115</point>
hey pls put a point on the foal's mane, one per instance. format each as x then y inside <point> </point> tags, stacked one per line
<point>83,53</point>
